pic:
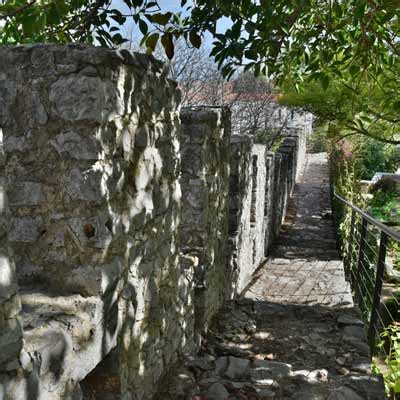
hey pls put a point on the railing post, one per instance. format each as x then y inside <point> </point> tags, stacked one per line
<point>378,289</point>
<point>360,263</point>
<point>350,245</point>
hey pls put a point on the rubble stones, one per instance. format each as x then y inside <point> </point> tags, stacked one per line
<point>344,393</point>
<point>217,392</point>
<point>263,369</point>
<point>237,368</point>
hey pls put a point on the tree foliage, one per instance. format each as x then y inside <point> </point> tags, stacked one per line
<point>280,37</point>
<point>352,46</point>
<point>368,107</point>
<point>66,21</point>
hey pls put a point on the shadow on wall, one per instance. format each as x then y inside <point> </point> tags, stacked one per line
<point>112,291</point>
<point>205,152</point>
<point>92,170</point>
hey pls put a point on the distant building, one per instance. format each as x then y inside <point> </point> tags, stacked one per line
<point>254,109</point>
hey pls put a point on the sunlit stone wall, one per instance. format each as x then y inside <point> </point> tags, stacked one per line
<point>91,165</point>
<point>205,150</point>
<point>240,229</point>
<point>10,304</point>
<point>261,183</point>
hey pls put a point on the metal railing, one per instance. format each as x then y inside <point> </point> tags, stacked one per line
<point>371,250</point>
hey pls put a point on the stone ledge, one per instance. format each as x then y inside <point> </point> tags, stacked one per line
<point>65,338</point>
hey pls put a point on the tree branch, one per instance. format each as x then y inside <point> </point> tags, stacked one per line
<point>18,10</point>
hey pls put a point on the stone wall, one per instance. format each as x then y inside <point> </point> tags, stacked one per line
<point>258,190</point>
<point>125,221</point>
<point>240,232</point>
<point>90,138</point>
<point>261,185</point>
<point>269,201</point>
<point>205,142</point>
<point>10,302</point>
<point>285,172</point>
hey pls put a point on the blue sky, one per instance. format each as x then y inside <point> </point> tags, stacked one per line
<point>130,28</point>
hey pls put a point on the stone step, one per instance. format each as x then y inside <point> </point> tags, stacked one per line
<point>65,338</point>
<point>291,252</point>
<point>310,243</point>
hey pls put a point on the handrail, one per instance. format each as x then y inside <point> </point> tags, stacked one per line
<point>393,233</point>
<point>366,269</point>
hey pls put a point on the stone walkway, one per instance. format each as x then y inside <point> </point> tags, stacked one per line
<point>295,334</point>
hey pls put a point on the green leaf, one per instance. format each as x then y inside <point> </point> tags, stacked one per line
<point>195,39</point>
<point>29,25</point>
<point>354,70</point>
<point>143,27</point>
<point>119,18</point>
<point>168,44</point>
<point>360,10</point>
<point>324,79</point>
<point>151,42</point>
<point>118,39</point>
<point>251,55</point>
<point>137,3</point>
<point>151,4</point>
<point>160,19</point>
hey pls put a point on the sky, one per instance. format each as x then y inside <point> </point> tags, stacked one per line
<point>130,29</point>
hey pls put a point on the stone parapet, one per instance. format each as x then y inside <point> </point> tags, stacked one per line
<point>205,138</point>
<point>240,182</point>
<point>90,140</point>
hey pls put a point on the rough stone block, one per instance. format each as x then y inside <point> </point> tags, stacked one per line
<point>25,194</point>
<point>25,229</point>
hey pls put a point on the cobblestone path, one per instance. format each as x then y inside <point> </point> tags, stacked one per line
<point>295,333</point>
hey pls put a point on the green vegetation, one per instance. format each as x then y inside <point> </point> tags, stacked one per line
<point>391,369</point>
<point>353,42</point>
<point>364,109</point>
<point>372,156</point>
<point>317,142</point>
<point>385,207</point>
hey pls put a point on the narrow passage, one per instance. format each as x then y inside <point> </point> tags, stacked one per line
<point>295,333</point>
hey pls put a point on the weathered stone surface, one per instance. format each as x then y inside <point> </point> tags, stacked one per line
<point>237,368</point>
<point>241,265</point>
<point>26,194</point>
<point>265,394</point>
<point>349,320</point>
<point>25,229</point>
<point>217,392</point>
<point>263,369</point>
<point>70,144</point>
<point>89,140</point>
<point>205,150</point>
<point>10,341</point>
<point>344,393</point>
<point>81,98</point>
<point>355,331</point>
